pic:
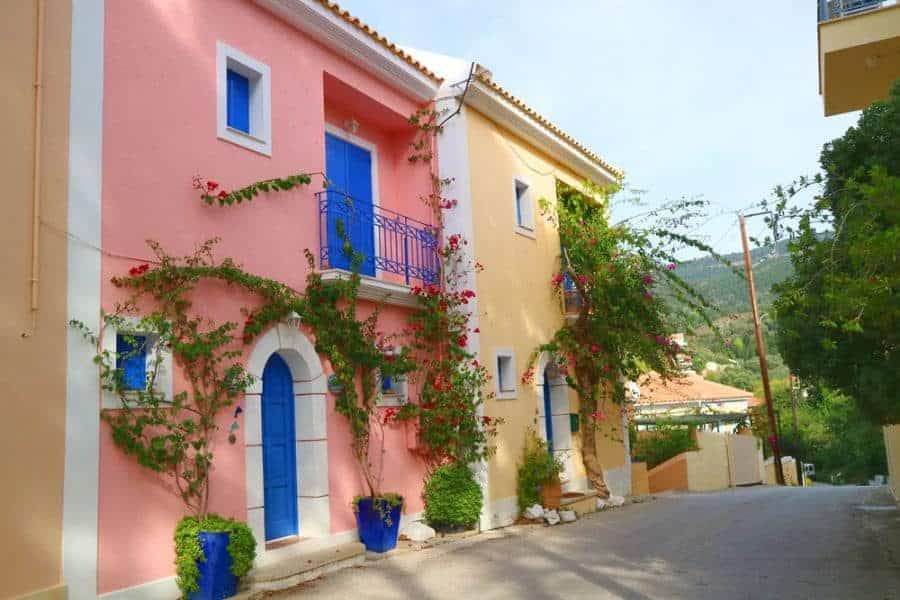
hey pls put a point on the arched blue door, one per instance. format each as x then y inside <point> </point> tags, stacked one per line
<point>279,450</point>
<point>548,412</point>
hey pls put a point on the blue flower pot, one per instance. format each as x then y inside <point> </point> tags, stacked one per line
<point>375,532</point>
<point>216,580</point>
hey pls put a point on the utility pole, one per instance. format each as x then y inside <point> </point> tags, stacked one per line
<point>761,350</point>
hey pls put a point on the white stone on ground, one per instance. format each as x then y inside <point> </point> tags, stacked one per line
<point>551,516</point>
<point>417,531</point>
<point>567,516</point>
<point>535,511</point>
<point>617,500</point>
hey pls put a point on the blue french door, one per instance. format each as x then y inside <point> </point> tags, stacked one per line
<point>349,171</point>
<point>279,450</point>
<point>548,412</point>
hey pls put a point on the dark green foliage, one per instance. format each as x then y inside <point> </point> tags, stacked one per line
<point>241,547</point>
<point>538,468</point>
<point>452,497</point>
<point>666,441</point>
<point>833,434</point>
<point>839,315</point>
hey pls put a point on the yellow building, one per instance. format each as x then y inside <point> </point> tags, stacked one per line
<point>503,158</point>
<point>859,52</point>
<point>35,67</point>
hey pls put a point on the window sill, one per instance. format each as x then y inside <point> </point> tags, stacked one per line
<point>524,231</point>
<point>506,395</point>
<point>246,140</point>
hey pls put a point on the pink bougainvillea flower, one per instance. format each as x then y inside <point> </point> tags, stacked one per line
<point>648,279</point>
<point>223,194</point>
<point>648,293</point>
<point>211,185</point>
<point>671,266</point>
<point>595,348</point>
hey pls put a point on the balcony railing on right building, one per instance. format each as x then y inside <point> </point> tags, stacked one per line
<point>836,9</point>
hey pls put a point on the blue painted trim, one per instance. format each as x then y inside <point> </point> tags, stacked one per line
<point>131,359</point>
<point>238,101</point>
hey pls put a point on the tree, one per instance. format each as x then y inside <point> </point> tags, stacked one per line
<point>622,326</point>
<point>838,316</point>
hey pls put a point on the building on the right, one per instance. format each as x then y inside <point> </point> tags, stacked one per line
<point>859,52</point>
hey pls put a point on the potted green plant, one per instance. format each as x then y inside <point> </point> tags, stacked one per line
<point>538,474</point>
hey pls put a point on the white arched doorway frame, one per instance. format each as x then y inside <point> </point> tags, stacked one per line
<point>310,416</point>
<point>560,410</point>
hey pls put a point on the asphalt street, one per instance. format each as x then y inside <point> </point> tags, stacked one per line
<point>762,542</point>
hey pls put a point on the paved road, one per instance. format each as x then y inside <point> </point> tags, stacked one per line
<point>747,543</point>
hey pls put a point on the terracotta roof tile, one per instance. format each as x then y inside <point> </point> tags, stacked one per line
<point>372,33</point>
<point>691,387</point>
<point>595,158</point>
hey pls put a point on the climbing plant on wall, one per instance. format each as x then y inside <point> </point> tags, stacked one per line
<point>621,325</point>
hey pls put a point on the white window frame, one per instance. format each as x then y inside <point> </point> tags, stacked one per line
<point>260,137</point>
<point>526,227</point>
<point>400,386</point>
<point>511,390</point>
<point>108,344</point>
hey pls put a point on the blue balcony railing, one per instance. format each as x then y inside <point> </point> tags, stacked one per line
<point>388,241</point>
<point>835,9</point>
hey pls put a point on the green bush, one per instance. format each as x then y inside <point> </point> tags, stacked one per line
<point>452,497</point>
<point>658,446</point>
<point>539,467</point>
<point>241,547</point>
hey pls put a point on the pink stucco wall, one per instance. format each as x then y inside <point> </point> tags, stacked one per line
<point>159,131</point>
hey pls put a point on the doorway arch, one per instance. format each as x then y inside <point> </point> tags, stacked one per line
<point>280,354</point>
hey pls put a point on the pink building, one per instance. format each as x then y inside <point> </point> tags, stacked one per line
<point>236,91</point>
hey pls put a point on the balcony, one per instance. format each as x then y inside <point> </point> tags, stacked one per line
<point>836,9</point>
<point>859,52</point>
<point>397,251</point>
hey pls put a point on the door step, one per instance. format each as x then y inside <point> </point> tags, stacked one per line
<point>295,564</point>
<point>581,502</point>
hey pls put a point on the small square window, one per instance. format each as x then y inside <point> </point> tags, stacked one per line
<point>524,207</point>
<point>137,352</point>
<point>392,390</point>
<point>244,100</point>
<point>131,359</point>
<point>506,375</point>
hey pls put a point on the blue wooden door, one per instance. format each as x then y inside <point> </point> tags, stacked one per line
<point>279,450</point>
<point>349,171</point>
<point>548,412</point>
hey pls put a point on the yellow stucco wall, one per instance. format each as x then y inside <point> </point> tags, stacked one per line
<point>518,309</point>
<point>892,448</point>
<point>32,368</point>
<point>640,483</point>
<point>708,468</point>
<point>788,468</point>
<point>859,59</point>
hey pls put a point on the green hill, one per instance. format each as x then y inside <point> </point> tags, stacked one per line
<point>728,291</point>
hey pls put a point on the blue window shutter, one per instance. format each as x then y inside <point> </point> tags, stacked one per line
<point>131,358</point>
<point>238,101</point>
<point>386,384</point>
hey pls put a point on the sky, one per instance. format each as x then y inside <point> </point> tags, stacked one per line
<point>693,98</point>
